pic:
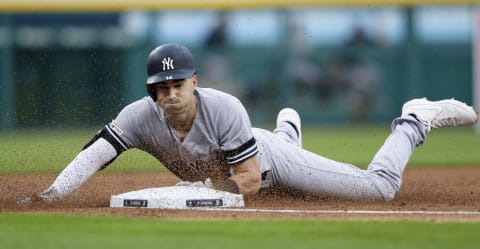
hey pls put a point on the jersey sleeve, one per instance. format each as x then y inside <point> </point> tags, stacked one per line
<point>236,137</point>
<point>122,137</point>
<point>126,129</point>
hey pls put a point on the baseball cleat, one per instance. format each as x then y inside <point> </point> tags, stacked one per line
<point>443,113</point>
<point>291,116</point>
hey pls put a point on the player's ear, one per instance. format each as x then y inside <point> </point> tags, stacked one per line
<point>194,80</point>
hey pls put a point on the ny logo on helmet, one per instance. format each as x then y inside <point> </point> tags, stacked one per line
<point>167,64</point>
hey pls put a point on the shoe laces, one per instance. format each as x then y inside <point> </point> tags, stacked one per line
<point>438,123</point>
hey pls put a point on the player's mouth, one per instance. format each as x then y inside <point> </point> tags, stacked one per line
<point>173,107</point>
<point>171,102</point>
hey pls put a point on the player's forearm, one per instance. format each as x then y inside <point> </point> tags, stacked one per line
<point>243,183</point>
<point>79,170</point>
<point>246,178</point>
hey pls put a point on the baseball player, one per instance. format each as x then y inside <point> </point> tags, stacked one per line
<point>200,133</point>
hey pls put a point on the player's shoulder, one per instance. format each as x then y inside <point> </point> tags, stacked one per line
<point>220,107</point>
<point>143,103</point>
<point>142,106</point>
<point>215,97</point>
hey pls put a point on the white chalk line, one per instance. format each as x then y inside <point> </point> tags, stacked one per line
<point>381,212</point>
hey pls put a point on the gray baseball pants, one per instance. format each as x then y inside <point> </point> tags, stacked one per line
<point>300,169</point>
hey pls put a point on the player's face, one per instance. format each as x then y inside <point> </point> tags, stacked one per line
<point>176,96</point>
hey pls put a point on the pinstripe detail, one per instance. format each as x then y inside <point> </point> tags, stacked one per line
<point>116,137</point>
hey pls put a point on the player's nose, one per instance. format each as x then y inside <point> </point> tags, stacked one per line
<point>172,93</point>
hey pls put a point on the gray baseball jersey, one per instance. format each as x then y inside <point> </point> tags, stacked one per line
<point>221,136</point>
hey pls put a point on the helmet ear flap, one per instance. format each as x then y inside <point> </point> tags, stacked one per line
<point>151,91</point>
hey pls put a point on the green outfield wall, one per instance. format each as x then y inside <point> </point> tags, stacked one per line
<point>58,85</point>
<point>70,88</point>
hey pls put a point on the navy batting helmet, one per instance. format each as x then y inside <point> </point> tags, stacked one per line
<point>168,62</point>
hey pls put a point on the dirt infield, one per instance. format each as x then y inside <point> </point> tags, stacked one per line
<point>428,189</point>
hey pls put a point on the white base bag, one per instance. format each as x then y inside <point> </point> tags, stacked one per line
<point>177,197</point>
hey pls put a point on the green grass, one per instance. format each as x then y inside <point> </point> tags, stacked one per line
<point>55,231</point>
<point>357,145</point>
<point>42,151</point>
<point>51,151</point>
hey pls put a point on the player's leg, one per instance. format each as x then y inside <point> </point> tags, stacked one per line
<point>424,115</point>
<point>290,165</point>
<point>289,126</point>
<point>307,171</point>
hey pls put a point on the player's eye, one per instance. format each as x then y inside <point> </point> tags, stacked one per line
<point>162,88</point>
<point>178,84</point>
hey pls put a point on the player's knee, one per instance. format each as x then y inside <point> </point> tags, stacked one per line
<point>387,184</point>
<point>389,195</point>
<point>389,191</point>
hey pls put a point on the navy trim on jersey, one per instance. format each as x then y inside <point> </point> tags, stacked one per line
<point>118,139</point>
<point>242,153</point>
<point>109,135</point>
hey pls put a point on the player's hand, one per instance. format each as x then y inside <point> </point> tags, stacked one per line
<point>206,184</point>
<point>30,201</point>
<point>48,196</point>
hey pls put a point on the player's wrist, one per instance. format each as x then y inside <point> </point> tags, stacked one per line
<point>231,186</point>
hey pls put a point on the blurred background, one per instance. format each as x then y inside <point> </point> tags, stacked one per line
<point>75,64</point>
